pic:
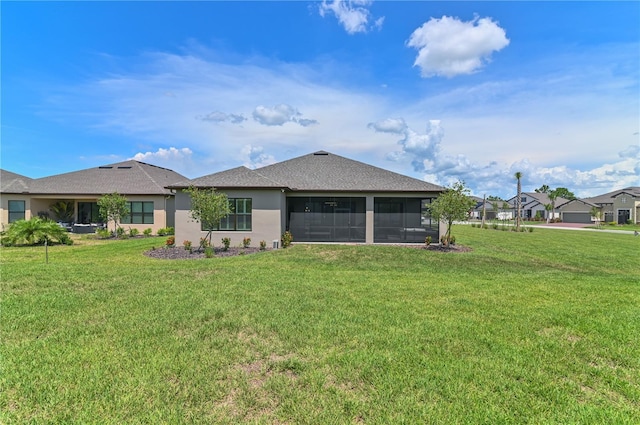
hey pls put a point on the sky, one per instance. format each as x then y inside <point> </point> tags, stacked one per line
<point>439,91</point>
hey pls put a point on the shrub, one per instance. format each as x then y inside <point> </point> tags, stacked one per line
<point>452,240</point>
<point>171,241</point>
<point>530,229</point>
<point>65,239</point>
<point>33,231</point>
<point>165,231</point>
<point>246,242</point>
<point>263,245</point>
<point>427,241</point>
<point>103,233</point>
<point>286,239</point>
<point>204,242</point>
<point>134,232</point>
<point>208,252</point>
<point>225,243</point>
<point>147,231</point>
<point>121,233</point>
<point>187,245</point>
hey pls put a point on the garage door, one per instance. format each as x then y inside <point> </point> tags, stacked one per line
<point>576,217</point>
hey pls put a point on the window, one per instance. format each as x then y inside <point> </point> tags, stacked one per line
<point>88,212</point>
<point>16,211</point>
<point>140,213</point>
<point>240,217</point>
<point>523,199</point>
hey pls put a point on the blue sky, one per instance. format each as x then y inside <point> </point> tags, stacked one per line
<point>441,91</point>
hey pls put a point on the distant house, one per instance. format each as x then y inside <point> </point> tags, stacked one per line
<point>619,206</point>
<point>144,186</point>
<point>533,205</point>
<point>491,213</point>
<point>320,197</point>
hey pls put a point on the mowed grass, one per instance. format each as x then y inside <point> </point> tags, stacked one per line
<point>539,327</point>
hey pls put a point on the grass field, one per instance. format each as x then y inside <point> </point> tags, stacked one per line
<point>540,327</point>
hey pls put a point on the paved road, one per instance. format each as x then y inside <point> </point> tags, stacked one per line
<point>580,226</point>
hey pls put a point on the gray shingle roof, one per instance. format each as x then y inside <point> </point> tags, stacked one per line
<point>233,178</point>
<point>607,198</point>
<point>538,198</point>
<point>13,182</point>
<point>319,172</point>
<point>127,178</point>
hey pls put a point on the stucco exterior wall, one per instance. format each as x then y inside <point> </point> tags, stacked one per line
<point>36,204</point>
<point>4,207</point>
<point>625,201</point>
<point>269,215</point>
<point>266,219</point>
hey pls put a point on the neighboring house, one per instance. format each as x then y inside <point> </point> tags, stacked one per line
<point>144,186</point>
<point>320,197</point>
<point>14,197</point>
<point>618,206</point>
<point>533,204</point>
<point>490,212</point>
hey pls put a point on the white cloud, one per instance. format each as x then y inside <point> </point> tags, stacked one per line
<point>389,125</point>
<point>353,15</point>
<point>279,115</point>
<point>177,159</point>
<point>254,157</point>
<point>424,152</point>
<point>449,47</point>
<point>218,116</point>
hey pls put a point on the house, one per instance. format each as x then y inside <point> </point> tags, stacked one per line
<point>319,197</point>
<point>72,197</point>
<point>494,209</point>
<point>14,196</point>
<point>619,206</point>
<point>533,205</point>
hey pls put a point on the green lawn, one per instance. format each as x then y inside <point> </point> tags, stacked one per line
<point>540,327</point>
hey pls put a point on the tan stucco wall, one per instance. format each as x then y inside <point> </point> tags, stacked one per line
<point>266,219</point>
<point>36,204</point>
<point>268,215</point>
<point>4,207</point>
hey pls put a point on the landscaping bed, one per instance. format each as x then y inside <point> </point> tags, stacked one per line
<point>179,253</point>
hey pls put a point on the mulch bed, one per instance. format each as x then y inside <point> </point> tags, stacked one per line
<point>179,253</point>
<point>450,248</point>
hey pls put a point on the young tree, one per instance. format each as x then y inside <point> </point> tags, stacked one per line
<point>518,177</point>
<point>112,208</point>
<point>596,213</point>
<point>208,207</point>
<point>452,205</point>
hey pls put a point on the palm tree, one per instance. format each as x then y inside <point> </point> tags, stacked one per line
<point>34,231</point>
<point>518,177</point>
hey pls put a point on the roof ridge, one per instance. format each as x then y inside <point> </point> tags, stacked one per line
<point>139,164</point>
